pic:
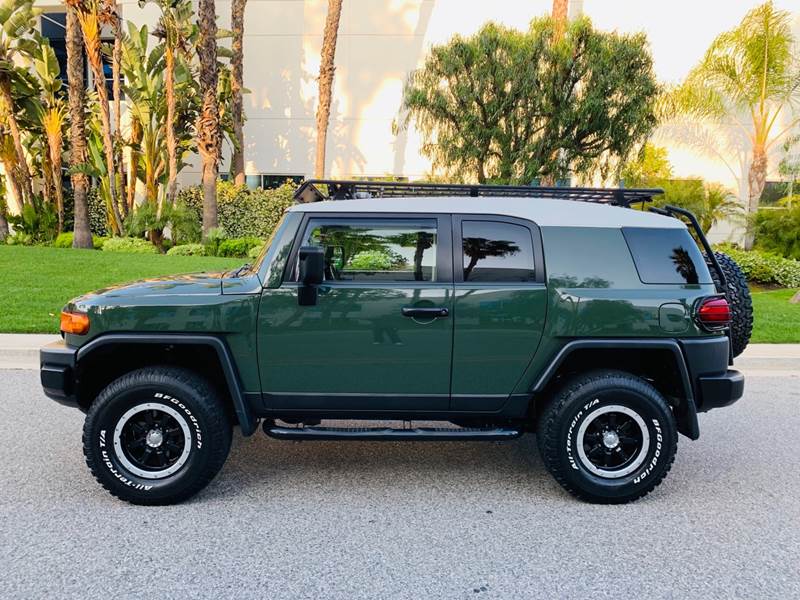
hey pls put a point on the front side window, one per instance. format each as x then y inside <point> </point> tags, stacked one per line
<point>375,249</point>
<point>497,252</point>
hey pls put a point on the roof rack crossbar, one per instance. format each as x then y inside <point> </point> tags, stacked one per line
<point>310,191</point>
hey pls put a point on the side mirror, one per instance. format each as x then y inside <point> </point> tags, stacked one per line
<point>311,274</point>
<point>312,265</point>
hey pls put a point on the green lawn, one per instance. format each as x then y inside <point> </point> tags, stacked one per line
<point>36,282</point>
<point>776,320</point>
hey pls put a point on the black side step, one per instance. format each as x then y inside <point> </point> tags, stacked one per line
<point>388,434</point>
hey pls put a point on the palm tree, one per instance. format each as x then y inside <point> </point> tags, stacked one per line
<point>751,70</point>
<point>174,29</point>
<point>77,131</point>
<point>3,220</point>
<point>237,58</point>
<point>18,19</point>
<point>209,134</point>
<point>91,16</point>
<point>110,8</point>
<point>52,115</point>
<point>326,70</point>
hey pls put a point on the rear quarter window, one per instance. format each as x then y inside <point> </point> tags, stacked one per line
<point>666,256</point>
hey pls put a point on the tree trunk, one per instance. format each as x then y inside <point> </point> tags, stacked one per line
<point>237,83</point>
<point>116,66</point>
<point>3,223</point>
<point>326,71</point>
<point>77,131</point>
<point>209,197</point>
<point>135,140</point>
<point>172,144</point>
<point>756,180</point>
<point>92,43</point>
<point>209,136</point>
<point>7,101</point>
<point>54,145</point>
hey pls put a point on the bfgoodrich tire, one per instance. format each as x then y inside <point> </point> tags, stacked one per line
<point>608,437</point>
<point>157,435</point>
<point>738,295</point>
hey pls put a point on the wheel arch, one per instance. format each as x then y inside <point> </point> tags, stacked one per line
<point>110,356</point>
<point>660,361</point>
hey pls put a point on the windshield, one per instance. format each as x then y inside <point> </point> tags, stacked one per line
<point>260,258</point>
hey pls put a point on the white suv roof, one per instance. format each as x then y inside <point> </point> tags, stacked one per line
<point>546,212</point>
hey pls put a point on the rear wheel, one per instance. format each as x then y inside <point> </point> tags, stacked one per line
<point>608,437</point>
<point>156,435</point>
<point>738,295</point>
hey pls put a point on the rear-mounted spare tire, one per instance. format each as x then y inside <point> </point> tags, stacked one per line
<point>741,304</point>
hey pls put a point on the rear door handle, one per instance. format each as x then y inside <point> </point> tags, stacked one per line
<point>426,312</point>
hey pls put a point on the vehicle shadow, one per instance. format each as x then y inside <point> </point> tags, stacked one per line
<point>262,467</point>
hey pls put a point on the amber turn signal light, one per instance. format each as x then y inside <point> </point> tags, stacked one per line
<point>74,322</point>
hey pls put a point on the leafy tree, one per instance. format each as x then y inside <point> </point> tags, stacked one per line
<point>652,164</point>
<point>710,202</point>
<point>750,76</point>
<point>510,106</point>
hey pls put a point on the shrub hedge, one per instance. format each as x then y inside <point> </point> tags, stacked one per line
<point>187,250</point>
<point>64,240</point>
<point>238,247</point>
<point>130,245</point>
<point>243,212</point>
<point>765,267</point>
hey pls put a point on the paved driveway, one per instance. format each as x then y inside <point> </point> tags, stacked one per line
<point>390,520</point>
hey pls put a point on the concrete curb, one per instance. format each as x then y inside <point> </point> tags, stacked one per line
<point>21,351</point>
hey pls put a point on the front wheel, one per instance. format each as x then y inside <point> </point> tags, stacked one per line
<point>608,437</point>
<point>157,435</point>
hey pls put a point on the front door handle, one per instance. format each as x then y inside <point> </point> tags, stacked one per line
<point>426,312</point>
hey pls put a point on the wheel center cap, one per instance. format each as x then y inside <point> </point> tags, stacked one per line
<point>610,439</point>
<point>154,438</point>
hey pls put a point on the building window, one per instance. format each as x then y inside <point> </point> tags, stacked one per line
<point>53,26</point>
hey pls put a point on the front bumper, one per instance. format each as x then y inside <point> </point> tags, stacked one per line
<point>57,372</point>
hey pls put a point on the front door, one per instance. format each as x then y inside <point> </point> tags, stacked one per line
<point>380,334</point>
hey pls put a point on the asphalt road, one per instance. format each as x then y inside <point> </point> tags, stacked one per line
<point>391,520</point>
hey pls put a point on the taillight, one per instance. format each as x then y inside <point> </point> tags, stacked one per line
<point>714,313</point>
<point>74,322</point>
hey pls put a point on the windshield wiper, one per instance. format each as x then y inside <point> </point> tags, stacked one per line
<point>243,269</point>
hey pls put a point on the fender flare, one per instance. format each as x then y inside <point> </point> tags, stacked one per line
<point>687,422</point>
<point>247,421</point>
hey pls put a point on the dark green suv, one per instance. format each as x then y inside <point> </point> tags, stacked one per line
<point>484,312</point>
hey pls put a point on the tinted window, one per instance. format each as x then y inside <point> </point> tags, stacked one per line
<point>496,252</point>
<point>375,250</point>
<point>666,256</point>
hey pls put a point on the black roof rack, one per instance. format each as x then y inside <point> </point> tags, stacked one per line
<point>348,190</point>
